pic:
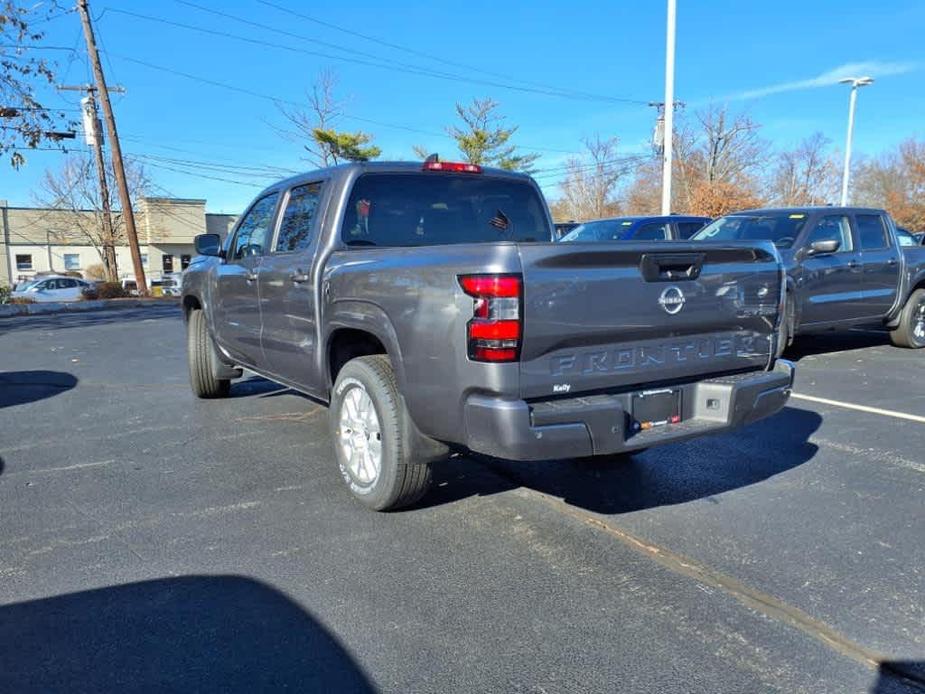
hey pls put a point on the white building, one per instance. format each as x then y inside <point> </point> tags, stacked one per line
<point>40,239</point>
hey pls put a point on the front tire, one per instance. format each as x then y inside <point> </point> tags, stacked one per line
<point>911,329</point>
<point>370,428</point>
<point>202,359</point>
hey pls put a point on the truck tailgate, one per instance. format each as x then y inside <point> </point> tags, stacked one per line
<point>613,316</point>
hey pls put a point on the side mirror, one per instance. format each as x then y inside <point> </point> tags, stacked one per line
<point>824,247</point>
<point>209,244</point>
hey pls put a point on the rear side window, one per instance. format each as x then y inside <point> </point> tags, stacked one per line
<point>433,208</point>
<point>871,232</point>
<point>254,230</point>
<point>688,229</point>
<point>295,229</point>
<point>654,231</point>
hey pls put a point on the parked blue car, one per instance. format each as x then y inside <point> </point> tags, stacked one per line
<point>668,228</point>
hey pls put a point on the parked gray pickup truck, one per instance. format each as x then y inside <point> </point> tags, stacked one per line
<point>846,266</point>
<point>429,308</point>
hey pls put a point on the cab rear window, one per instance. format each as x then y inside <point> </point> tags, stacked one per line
<point>423,209</point>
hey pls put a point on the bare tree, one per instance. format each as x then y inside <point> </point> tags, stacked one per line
<point>806,175</point>
<point>315,125</point>
<point>895,181</point>
<point>24,122</point>
<point>719,156</point>
<point>73,192</point>
<point>589,190</point>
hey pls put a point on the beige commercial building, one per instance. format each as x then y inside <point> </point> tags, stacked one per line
<point>36,240</point>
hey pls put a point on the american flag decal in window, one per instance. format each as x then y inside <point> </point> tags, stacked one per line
<point>500,221</point>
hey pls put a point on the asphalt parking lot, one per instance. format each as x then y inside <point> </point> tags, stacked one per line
<point>150,541</point>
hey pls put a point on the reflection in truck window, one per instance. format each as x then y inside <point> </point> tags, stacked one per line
<point>780,227</point>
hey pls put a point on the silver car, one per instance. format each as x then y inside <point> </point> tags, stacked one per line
<point>46,289</point>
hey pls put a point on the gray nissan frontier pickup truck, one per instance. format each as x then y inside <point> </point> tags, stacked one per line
<point>846,267</point>
<point>428,306</point>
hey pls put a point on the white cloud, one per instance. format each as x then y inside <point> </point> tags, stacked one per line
<point>872,68</point>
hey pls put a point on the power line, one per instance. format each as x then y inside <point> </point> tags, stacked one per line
<point>290,102</point>
<point>546,88</point>
<point>398,67</point>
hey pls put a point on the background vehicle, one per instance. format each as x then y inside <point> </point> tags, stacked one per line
<point>168,285</point>
<point>429,308</point>
<point>845,265</point>
<point>562,228</point>
<point>907,238</point>
<point>666,228</point>
<point>47,289</point>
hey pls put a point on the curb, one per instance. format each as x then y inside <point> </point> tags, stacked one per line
<point>7,310</point>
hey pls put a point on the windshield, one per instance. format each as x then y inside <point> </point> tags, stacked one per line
<point>780,227</point>
<point>604,230</point>
<point>437,208</point>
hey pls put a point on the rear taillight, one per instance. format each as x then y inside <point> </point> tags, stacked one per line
<point>495,331</point>
<point>452,166</point>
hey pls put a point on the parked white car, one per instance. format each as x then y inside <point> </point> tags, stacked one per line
<point>45,289</point>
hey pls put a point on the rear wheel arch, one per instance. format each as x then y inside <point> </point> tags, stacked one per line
<point>190,303</point>
<point>348,340</point>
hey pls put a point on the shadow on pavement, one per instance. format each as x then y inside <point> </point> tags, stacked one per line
<point>843,341</point>
<point>187,634</point>
<point>61,321</point>
<point>898,676</point>
<point>21,387</point>
<point>663,476</point>
<point>256,385</point>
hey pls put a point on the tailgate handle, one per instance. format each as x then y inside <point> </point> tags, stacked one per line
<point>670,267</point>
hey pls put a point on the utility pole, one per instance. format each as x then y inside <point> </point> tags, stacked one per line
<point>118,168</point>
<point>669,112</point>
<point>856,83</point>
<point>94,137</point>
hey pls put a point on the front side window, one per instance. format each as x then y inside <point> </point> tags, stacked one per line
<point>71,261</point>
<point>253,232</point>
<point>688,229</point>
<point>871,232</point>
<point>295,229</point>
<point>24,262</point>
<point>781,228</point>
<point>833,227</point>
<point>654,231</point>
<point>419,209</point>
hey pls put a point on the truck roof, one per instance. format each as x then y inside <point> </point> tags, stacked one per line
<point>383,167</point>
<point>808,209</point>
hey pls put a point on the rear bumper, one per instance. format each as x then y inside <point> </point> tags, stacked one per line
<point>601,425</point>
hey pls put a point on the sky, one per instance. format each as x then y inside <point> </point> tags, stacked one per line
<point>202,110</point>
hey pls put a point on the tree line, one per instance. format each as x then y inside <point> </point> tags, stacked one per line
<point>721,164</point>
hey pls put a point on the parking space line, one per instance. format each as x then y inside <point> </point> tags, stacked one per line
<point>860,408</point>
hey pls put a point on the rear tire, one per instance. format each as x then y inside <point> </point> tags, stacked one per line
<point>202,358</point>
<point>911,329</point>
<point>371,432</point>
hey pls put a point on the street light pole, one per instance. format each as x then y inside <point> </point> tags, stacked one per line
<point>856,83</point>
<point>669,109</point>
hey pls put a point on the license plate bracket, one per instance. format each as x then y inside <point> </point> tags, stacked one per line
<point>652,408</point>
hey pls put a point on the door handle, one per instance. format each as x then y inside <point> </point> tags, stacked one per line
<point>853,264</point>
<point>892,261</point>
<point>251,276</point>
<point>299,277</point>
